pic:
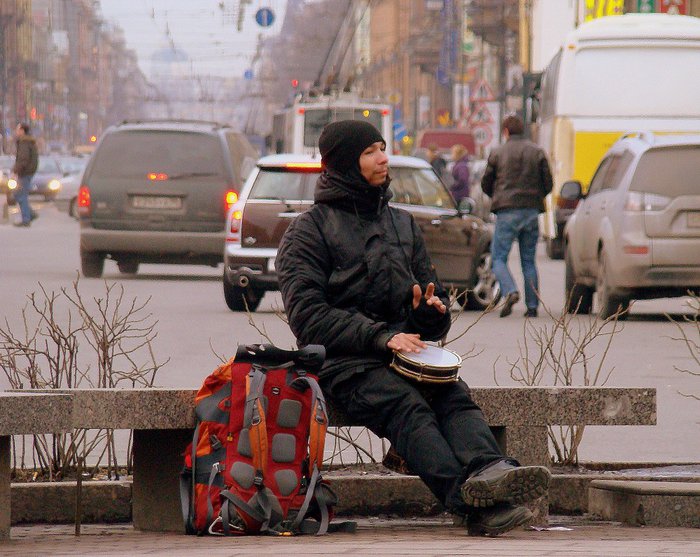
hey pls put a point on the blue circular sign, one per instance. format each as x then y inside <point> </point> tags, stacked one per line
<point>264,17</point>
<point>248,74</point>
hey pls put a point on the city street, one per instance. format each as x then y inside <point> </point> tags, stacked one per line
<point>195,328</point>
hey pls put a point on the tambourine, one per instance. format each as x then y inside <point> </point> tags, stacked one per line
<point>433,364</point>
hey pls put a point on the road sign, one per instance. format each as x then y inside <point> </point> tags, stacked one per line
<point>482,92</point>
<point>248,74</point>
<point>674,7</point>
<point>264,17</point>
<point>482,134</point>
<point>480,114</point>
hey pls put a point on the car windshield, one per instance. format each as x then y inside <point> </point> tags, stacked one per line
<point>130,154</point>
<point>283,184</point>
<point>419,186</point>
<point>48,166</point>
<point>669,171</point>
<point>316,119</point>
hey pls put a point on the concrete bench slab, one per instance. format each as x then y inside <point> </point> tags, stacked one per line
<point>163,420</point>
<point>646,503</point>
<point>27,413</point>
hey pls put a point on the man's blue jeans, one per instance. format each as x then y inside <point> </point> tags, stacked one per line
<point>521,225</point>
<point>21,195</point>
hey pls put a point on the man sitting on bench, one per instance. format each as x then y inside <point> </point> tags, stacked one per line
<point>355,277</point>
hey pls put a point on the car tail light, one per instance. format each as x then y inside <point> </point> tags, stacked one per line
<point>230,198</point>
<point>84,201</point>
<point>234,229</point>
<point>637,201</point>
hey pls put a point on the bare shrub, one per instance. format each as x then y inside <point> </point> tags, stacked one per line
<point>689,338</point>
<point>568,350</point>
<point>68,341</point>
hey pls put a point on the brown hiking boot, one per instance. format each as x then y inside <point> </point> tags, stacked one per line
<point>497,520</point>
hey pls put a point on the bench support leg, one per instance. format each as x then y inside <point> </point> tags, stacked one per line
<point>158,462</point>
<point>5,491</point>
<point>529,445</point>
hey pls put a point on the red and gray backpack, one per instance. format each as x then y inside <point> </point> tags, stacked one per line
<point>253,466</point>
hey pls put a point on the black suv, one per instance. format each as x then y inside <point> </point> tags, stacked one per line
<point>158,192</point>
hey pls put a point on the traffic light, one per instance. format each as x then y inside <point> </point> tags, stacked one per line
<point>295,83</point>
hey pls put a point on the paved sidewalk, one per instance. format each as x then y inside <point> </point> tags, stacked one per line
<point>374,537</point>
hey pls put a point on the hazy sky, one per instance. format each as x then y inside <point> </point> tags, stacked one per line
<point>206,30</point>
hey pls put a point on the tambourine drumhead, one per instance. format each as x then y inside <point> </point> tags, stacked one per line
<point>433,364</point>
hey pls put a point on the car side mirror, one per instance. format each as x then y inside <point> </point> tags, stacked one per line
<point>571,190</point>
<point>466,206</point>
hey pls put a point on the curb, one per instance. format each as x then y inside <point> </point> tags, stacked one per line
<point>370,494</point>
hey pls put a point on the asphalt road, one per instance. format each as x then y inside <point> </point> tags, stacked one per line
<point>195,329</point>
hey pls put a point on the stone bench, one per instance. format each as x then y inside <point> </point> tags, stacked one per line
<point>27,413</point>
<point>163,421</point>
<point>646,503</point>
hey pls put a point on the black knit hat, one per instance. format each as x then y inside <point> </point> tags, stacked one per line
<point>341,143</point>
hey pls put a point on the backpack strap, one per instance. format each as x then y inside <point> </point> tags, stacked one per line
<point>252,512</point>
<point>187,487</point>
<point>257,429</point>
<point>319,421</point>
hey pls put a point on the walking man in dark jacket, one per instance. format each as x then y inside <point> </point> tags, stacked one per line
<point>517,179</point>
<point>356,278</point>
<point>26,163</point>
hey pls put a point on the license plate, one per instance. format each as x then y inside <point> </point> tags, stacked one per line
<point>156,202</point>
<point>694,219</point>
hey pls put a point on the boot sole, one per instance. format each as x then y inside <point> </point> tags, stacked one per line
<point>516,486</point>
<point>520,517</point>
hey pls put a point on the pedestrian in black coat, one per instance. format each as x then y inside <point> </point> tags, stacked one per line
<point>355,277</point>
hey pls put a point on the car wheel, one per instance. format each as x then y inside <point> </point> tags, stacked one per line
<point>555,248</point>
<point>128,266</point>
<point>578,298</point>
<point>92,263</point>
<point>238,297</point>
<point>486,291</point>
<point>607,303</point>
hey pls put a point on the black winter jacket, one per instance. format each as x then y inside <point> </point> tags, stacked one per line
<point>27,158</point>
<point>517,176</point>
<point>346,270</point>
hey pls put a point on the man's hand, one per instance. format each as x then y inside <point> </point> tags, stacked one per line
<point>430,298</point>
<point>406,342</point>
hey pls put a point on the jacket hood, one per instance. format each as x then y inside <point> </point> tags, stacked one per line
<point>351,193</point>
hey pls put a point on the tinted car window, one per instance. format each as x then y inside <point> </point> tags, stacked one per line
<point>618,166</point>
<point>243,155</point>
<point>178,154</point>
<point>278,183</point>
<point>669,171</point>
<point>598,181</point>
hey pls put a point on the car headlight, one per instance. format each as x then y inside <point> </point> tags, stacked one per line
<point>54,185</point>
<point>12,183</point>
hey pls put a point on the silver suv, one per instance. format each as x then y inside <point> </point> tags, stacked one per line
<point>282,186</point>
<point>636,233</point>
<point>159,192</point>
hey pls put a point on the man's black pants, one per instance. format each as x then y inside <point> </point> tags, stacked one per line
<point>437,429</point>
